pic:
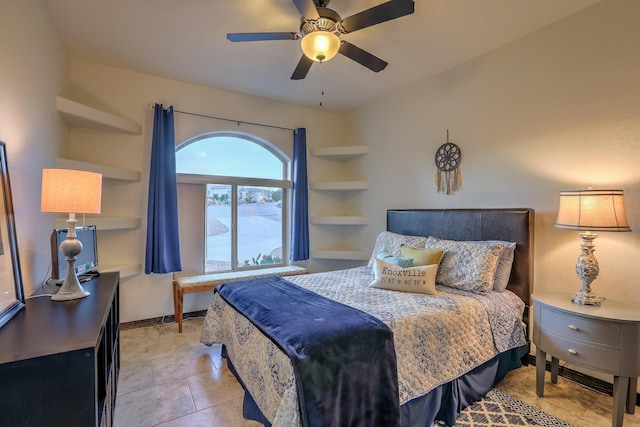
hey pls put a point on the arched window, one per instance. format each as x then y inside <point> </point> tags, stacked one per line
<point>247,182</point>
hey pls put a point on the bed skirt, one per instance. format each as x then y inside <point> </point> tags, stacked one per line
<point>445,402</point>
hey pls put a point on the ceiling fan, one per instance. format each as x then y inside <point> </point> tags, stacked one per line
<point>321,28</point>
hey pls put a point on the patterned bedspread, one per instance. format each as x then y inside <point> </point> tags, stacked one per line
<point>437,338</point>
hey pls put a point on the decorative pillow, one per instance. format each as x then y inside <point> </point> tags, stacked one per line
<point>467,266</point>
<point>420,279</point>
<point>503,271</point>
<point>421,256</point>
<point>390,242</point>
<point>401,261</point>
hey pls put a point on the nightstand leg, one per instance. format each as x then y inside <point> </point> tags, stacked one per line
<point>555,365</point>
<point>620,389</point>
<point>631,395</point>
<point>541,361</point>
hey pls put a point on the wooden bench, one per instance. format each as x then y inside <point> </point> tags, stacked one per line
<point>206,282</point>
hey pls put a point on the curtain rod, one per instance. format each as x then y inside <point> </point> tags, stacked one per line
<point>227,120</point>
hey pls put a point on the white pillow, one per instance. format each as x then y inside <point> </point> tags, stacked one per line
<point>420,279</point>
<point>465,265</point>
<point>390,242</point>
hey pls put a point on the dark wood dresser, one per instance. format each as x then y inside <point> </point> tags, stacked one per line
<point>59,360</point>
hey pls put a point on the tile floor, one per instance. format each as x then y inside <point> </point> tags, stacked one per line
<point>169,379</point>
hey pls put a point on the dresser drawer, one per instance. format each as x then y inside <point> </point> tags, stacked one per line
<point>580,353</point>
<point>600,332</point>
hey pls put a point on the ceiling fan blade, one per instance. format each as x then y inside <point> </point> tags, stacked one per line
<point>254,37</point>
<point>384,12</point>
<point>302,68</point>
<point>362,57</point>
<point>306,8</point>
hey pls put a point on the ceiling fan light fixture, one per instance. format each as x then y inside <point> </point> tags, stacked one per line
<point>320,46</point>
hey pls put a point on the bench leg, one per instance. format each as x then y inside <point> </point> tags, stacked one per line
<point>177,305</point>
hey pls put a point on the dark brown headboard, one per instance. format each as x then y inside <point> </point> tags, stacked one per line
<point>512,225</point>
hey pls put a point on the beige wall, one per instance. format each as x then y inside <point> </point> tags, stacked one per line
<point>559,109</point>
<point>128,94</point>
<point>34,69</point>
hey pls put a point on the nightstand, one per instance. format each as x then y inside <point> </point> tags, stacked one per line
<point>604,338</point>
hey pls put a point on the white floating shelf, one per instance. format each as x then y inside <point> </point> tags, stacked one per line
<point>340,185</point>
<point>126,270</point>
<point>106,171</point>
<point>80,115</point>
<point>102,223</point>
<point>339,220</point>
<point>353,255</point>
<point>344,151</point>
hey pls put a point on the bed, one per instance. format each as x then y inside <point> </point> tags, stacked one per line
<point>447,349</point>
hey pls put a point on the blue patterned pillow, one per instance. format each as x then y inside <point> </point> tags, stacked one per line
<point>503,271</point>
<point>390,242</point>
<point>467,266</point>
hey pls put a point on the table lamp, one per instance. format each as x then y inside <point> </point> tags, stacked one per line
<point>588,211</point>
<point>70,191</point>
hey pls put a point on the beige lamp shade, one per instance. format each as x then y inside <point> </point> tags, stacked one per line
<point>592,210</point>
<point>71,191</point>
<point>320,46</point>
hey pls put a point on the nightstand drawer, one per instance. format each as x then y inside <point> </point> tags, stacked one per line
<point>600,332</point>
<point>580,353</point>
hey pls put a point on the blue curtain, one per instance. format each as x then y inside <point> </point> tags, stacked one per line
<point>163,242</point>
<point>300,223</point>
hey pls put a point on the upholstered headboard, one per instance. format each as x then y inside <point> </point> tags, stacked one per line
<point>512,225</point>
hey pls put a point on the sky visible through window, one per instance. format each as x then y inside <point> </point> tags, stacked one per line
<point>256,225</point>
<point>228,156</point>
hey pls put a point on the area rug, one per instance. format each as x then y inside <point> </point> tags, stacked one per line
<point>499,409</point>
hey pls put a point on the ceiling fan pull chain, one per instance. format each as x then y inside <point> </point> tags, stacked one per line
<point>321,83</point>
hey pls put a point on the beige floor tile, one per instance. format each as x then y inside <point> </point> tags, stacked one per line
<point>133,344</point>
<point>170,379</point>
<point>215,387</point>
<point>148,407</point>
<point>173,367</point>
<point>592,420</point>
<point>631,420</point>
<point>220,415</point>
<point>134,376</point>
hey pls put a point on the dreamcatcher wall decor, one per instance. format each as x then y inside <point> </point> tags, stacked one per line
<point>448,159</point>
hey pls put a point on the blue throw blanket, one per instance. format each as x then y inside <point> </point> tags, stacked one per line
<point>343,359</point>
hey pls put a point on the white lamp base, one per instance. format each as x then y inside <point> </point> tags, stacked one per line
<point>587,269</point>
<point>66,296</point>
<point>70,248</point>
<point>587,298</point>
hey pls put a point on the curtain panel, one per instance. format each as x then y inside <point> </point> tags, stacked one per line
<point>300,215</point>
<point>163,241</point>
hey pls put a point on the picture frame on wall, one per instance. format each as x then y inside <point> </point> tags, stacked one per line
<point>11,290</point>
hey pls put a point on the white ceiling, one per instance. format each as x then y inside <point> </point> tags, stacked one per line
<point>186,40</point>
